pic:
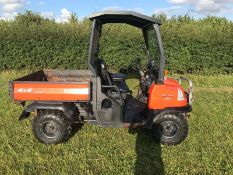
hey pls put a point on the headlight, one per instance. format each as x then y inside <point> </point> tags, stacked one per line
<point>180,95</point>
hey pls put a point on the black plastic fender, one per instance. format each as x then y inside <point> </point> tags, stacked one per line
<point>155,114</point>
<point>70,110</point>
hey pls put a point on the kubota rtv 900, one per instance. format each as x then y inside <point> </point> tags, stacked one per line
<point>96,96</point>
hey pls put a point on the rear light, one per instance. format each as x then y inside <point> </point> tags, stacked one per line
<point>180,95</point>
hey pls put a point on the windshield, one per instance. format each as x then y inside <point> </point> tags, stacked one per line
<point>153,47</point>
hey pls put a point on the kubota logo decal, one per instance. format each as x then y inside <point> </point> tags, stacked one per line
<point>24,90</point>
<point>167,96</point>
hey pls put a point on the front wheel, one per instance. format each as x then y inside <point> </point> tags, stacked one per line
<point>170,129</point>
<point>51,127</point>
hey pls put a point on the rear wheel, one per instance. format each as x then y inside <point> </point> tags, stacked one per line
<point>51,127</point>
<point>170,129</point>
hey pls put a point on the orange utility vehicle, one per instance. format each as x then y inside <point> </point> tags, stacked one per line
<point>96,96</point>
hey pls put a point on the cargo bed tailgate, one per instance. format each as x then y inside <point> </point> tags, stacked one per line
<point>50,91</point>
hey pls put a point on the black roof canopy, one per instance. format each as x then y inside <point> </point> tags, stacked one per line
<point>122,16</point>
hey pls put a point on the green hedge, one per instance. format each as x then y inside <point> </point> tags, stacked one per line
<point>199,45</point>
<point>194,46</point>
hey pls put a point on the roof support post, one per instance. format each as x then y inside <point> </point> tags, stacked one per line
<point>91,47</point>
<point>162,56</point>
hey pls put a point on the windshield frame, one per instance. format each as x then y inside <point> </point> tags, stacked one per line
<point>94,43</point>
<point>157,36</point>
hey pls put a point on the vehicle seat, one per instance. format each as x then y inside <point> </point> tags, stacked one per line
<point>113,79</point>
<point>119,81</point>
<point>123,87</point>
<point>118,77</point>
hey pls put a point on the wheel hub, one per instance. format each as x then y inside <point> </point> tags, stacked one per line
<point>51,127</point>
<point>169,128</point>
<point>50,130</point>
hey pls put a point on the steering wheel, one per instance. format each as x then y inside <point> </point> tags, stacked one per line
<point>136,66</point>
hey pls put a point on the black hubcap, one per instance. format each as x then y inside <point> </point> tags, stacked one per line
<point>49,130</point>
<point>169,128</point>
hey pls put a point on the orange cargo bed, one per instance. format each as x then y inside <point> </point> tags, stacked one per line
<point>53,85</point>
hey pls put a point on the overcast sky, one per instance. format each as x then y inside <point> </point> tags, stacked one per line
<point>60,9</point>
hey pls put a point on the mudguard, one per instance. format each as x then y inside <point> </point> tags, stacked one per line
<point>154,114</point>
<point>68,109</point>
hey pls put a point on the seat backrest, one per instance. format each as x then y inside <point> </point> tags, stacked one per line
<point>103,73</point>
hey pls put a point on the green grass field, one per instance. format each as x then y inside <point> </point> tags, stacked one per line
<point>93,150</point>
